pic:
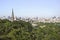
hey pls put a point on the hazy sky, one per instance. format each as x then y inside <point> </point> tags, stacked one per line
<point>40,8</point>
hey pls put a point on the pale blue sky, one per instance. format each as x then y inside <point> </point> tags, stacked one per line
<point>30,8</point>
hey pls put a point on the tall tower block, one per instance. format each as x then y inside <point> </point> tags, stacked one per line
<point>12,15</point>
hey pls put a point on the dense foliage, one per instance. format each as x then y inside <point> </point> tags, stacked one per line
<point>21,30</point>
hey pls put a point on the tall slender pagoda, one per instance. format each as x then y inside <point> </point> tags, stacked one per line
<point>12,15</point>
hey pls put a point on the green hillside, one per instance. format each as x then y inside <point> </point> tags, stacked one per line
<point>21,30</point>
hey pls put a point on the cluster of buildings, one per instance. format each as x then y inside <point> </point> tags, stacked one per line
<point>45,20</point>
<point>33,19</point>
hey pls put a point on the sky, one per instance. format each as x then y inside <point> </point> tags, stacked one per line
<point>30,8</point>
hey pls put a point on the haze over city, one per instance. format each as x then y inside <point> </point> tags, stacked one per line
<point>30,8</point>
<point>29,19</point>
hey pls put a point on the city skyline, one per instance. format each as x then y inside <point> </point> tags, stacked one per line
<point>30,8</point>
